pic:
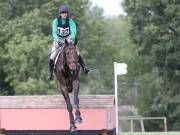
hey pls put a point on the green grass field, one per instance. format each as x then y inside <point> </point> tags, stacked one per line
<point>151,133</point>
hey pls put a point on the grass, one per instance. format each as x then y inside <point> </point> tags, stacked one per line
<point>151,133</point>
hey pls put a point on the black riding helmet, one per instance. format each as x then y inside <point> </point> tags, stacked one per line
<point>64,9</point>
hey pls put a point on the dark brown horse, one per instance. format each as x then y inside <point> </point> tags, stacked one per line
<point>67,73</point>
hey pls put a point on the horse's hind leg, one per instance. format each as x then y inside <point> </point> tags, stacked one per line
<point>69,108</point>
<point>78,118</point>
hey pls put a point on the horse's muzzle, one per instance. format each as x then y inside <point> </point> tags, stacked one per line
<point>72,72</point>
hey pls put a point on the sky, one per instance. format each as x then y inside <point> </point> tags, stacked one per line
<point>111,7</point>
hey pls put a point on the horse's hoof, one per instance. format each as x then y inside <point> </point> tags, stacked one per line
<point>73,128</point>
<point>78,120</point>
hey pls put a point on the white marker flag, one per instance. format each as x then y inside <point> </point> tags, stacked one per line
<point>121,68</point>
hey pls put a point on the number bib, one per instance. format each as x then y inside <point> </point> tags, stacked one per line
<point>64,31</point>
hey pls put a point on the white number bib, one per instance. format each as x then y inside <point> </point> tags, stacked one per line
<point>63,31</point>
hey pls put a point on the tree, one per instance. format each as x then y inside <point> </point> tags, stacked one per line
<point>156,29</point>
<point>25,40</point>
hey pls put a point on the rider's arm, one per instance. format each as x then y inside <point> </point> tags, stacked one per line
<point>54,30</point>
<point>73,29</point>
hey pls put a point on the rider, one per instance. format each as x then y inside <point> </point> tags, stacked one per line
<point>63,27</point>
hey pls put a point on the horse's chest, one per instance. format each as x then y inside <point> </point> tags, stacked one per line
<point>63,77</point>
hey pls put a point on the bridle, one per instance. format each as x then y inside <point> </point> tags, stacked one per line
<point>66,63</point>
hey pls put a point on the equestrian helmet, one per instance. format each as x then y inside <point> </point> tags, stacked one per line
<point>64,9</point>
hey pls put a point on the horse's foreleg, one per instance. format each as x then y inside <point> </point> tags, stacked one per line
<point>69,108</point>
<point>76,101</point>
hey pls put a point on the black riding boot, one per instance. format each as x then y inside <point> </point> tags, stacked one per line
<point>84,67</point>
<point>51,66</point>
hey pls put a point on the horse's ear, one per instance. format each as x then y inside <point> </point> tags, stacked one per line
<point>66,42</point>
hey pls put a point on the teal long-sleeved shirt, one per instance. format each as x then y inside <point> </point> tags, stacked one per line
<point>55,31</point>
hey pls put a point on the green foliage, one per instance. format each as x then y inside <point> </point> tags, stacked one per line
<point>25,41</point>
<point>152,54</point>
<point>26,37</point>
<point>156,30</point>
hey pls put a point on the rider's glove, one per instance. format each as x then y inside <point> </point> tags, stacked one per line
<point>59,43</point>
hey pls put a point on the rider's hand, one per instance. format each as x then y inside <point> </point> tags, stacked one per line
<point>59,43</point>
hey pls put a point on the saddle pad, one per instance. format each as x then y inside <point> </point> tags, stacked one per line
<point>57,56</point>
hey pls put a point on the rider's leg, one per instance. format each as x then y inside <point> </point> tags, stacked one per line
<point>53,52</point>
<point>83,65</point>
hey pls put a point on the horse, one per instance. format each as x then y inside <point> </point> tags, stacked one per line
<point>67,71</point>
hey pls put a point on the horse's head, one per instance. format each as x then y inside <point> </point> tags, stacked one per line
<point>71,56</point>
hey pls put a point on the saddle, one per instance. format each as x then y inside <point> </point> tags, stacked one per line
<point>57,56</point>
